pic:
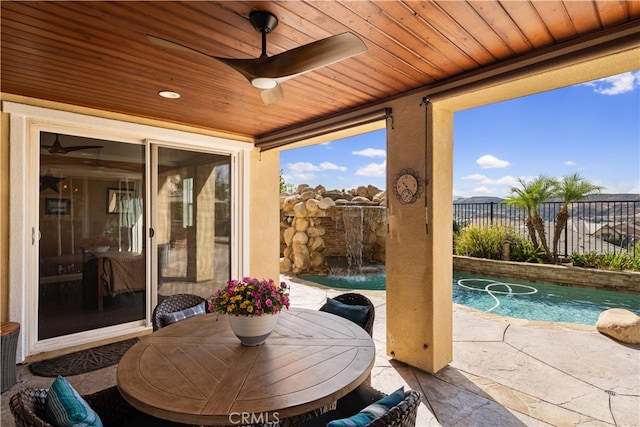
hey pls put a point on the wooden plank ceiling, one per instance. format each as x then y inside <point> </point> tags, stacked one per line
<point>95,54</point>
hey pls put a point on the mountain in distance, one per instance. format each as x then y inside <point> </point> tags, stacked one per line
<point>478,199</point>
<point>617,197</point>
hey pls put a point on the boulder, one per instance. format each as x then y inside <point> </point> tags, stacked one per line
<point>362,191</point>
<point>288,235</point>
<point>301,259</point>
<point>360,199</point>
<point>320,189</point>
<point>308,194</point>
<point>312,206</point>
<point>300,210</point>
<point>300,238</point>
<point>334,194</point>
<point>302,224</point>
<point>316,244</point>
<point>289,202</point>
<point>379,197</point>
<point>316,231</point>
<point>301,188</point>
<point>285,265</point>
<point>317,260</point>
<point>621,324</point>
<point>372,191</point>
<point>326,203</point>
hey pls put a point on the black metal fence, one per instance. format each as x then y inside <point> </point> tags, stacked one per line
<point>603,227</point>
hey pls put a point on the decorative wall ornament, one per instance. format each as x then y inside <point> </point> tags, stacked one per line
<point>407,186</point>
<point>49,181</point>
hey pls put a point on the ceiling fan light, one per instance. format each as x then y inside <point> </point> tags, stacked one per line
<point>264,83</point>
<point>169,94</point>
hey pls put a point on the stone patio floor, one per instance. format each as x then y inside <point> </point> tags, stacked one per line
<point>505,372</point>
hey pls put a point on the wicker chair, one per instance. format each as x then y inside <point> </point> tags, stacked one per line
<point>171,304</point>
<point>403,414</point>
<point>27,407</point>
<point>358,299</point>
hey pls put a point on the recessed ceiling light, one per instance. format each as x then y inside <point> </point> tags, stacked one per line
<point>169,94</point>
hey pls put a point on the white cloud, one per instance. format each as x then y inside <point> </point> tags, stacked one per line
<point>373,169</point>
<point>484,191</point>
<point>616,85</point>
<point>475,176</point>
<point>485,180</point>
<point>305,171</point>
<point>370,152</point>
<point>490,162</point>
<point>303,167</point>
<point>570,163</point>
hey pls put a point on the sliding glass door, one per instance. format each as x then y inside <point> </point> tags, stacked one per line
<point>192,221</point>
<point>92,258</point>
<point>94,268</point>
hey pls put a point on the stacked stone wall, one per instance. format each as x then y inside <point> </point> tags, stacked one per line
<point>312,226</point>
<point>619,281</point>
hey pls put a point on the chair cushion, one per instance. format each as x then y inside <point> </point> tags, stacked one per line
<point>371,412</point>
<point>176,316</point>
<point>355,313</point>
<point>64,407</point>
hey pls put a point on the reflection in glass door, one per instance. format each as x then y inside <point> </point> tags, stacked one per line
<point>192,222</point>
<point>91,248</point>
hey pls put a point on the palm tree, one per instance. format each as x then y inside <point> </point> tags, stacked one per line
<point>530,196</point>
<point>570,188</point>
<point>520,197</point>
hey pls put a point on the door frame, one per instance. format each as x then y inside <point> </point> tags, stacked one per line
<point>26,122</point>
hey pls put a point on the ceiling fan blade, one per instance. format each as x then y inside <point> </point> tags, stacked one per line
<point>269,96</point>
<point>268,72</point>
<point>57,148</point>
<point>294,62</point>
<point>81,147</point>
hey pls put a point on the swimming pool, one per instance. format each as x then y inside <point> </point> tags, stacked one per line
<point>512,298</point>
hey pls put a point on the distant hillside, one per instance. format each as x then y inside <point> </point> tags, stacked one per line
<point>478,199</point>
<point>618,197</point>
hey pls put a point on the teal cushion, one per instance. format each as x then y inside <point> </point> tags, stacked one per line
<point>377,409</point>
<point>64,407</point>
<point>358,420</point>
<point>176,316</point>
<point>355,313</point>
<point>371,412</point>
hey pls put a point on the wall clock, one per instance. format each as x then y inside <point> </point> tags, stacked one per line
<point>407,186</point>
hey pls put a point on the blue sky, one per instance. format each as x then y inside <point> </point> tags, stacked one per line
<point>592,129</point>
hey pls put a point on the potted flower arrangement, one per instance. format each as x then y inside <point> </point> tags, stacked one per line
<point>253,306</point>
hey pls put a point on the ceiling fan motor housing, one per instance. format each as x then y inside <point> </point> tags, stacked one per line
<point>263,22</point>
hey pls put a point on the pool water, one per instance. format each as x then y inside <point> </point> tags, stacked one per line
<point>512,298</point>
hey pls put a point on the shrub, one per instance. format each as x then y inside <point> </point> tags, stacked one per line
<point>587,259</point>
<point>482,242</point>
<point>523,250</point>
<point>610,261</point>
<point>617,261</point>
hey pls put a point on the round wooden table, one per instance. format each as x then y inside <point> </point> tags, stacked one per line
<point>197,372</point>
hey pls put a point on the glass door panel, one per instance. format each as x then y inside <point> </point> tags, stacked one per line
<point>91,249</point>
<point>192,222</point>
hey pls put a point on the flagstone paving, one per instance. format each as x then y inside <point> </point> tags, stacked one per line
<point>505,372</point>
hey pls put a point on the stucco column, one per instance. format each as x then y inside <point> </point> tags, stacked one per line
<point>264,216</point>
<point>419,247</point>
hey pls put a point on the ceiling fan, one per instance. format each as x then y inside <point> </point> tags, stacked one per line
<point>268,72</point>
<point>57,148</point>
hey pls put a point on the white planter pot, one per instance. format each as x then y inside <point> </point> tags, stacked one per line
<point>252,331</point>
